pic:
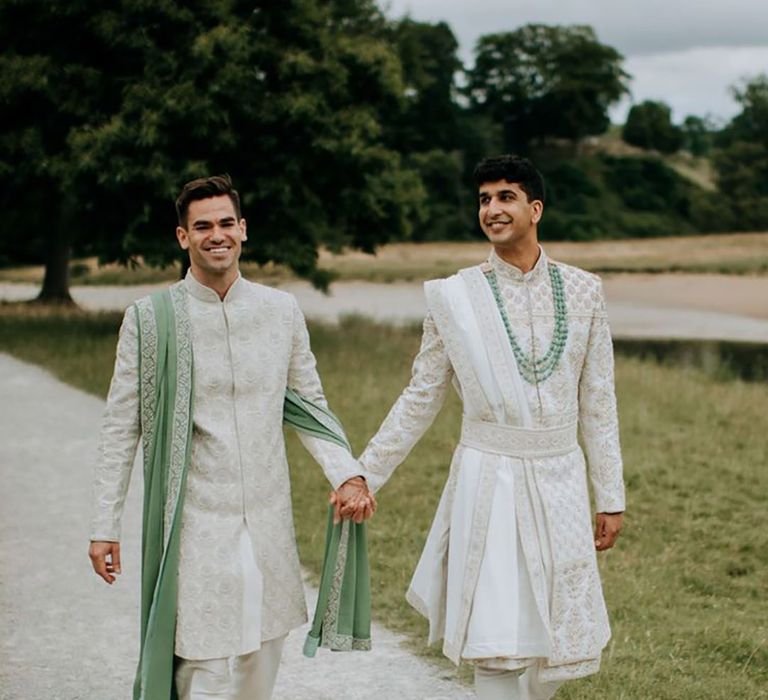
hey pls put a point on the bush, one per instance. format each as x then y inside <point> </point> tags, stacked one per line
<point>649,125</point>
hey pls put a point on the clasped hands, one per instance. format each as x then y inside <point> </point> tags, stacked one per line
<point>353,500</point>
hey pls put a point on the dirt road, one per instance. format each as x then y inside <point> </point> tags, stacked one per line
<point>717,307</point>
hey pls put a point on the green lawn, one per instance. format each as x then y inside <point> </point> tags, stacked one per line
<point>687,585</point>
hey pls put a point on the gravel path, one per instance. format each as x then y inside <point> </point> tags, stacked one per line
<point>68,636</point>
<point>708,307</point>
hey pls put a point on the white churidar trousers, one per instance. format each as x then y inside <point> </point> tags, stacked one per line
<point>247,677</point>
<point>512,685</point>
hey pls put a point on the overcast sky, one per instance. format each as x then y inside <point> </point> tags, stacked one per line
<point>684,52</point>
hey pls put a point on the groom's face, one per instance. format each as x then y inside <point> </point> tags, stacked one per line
<point>213,236</point>
<point>506,215</point>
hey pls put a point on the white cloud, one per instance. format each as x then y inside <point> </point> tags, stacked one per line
<point>694,81</point>
<point>684,52</point>
<point>633,26</point>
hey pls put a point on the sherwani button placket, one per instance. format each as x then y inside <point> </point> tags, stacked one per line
<point>250,637</point>
<point>234,405</point>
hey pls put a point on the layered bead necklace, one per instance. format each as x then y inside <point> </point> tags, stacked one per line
<point>531,369</point>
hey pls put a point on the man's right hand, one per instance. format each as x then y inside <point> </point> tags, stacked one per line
<point>105,558</point>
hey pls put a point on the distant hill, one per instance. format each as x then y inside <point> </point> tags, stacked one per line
<point>610,190</point>
<point>697,170</point>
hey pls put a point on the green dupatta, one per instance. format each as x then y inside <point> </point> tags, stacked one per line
<point>342,620</point>
<point>342,616</point>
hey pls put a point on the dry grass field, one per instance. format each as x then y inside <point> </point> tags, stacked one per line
<point>737,254</point>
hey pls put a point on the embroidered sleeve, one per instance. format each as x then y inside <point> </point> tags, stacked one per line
<point>598,419</point>
<point>119,436</point>
<point>336,461</point>
<point>413,412</point>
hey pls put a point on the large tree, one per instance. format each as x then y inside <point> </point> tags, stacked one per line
<point>544,81</point>
<point>741,160</point>
<point>430,63</point>
<point>649,125</point>
<point>285,96</point>
<point>58,73</point>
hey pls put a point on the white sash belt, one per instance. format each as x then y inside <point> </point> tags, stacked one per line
<point>514,441</point>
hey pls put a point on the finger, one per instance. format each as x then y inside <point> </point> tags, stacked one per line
<point>350,506</point>
<point>116,558</point>
<point>335,500</point>
<point>613,535</point>
<point>100,567</point>
<point>600,529</point>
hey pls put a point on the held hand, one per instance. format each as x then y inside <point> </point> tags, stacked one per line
<point>353,500</point>
<point>607,529</point>
<point>105,558</point>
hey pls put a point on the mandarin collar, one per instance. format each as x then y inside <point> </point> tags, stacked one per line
<point>509,272</point>
<point>204,293</point>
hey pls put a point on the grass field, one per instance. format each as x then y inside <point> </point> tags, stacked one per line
<point>687,585</point>
<point>737,254</point>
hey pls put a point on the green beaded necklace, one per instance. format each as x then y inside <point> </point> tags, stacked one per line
<point>531,369</point>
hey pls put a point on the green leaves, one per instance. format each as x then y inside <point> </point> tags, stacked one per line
<point>546,81</point>
<point>131,101</point>
<point>649,125</point>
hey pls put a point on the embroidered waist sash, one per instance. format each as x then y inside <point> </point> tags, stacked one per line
<point>514,441</point>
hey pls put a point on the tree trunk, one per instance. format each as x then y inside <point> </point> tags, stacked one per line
<point>56,281</point>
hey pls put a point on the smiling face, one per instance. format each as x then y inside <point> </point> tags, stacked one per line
<point>213,236</point>
<point>507,217</point>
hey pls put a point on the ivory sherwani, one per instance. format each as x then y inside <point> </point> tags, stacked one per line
<point>246,350</point>
<point>508,576</point>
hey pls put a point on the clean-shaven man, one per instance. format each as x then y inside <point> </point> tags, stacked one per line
<point>201,374</point>
<point>508,577</point>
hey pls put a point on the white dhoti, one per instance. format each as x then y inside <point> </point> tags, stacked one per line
<point>505,621</point>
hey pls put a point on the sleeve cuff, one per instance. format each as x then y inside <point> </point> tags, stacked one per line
<point>101,532</point>
<point>339,476</point>
<point>610,505</point>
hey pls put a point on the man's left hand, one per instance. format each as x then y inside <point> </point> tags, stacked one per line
<point>607,529</point>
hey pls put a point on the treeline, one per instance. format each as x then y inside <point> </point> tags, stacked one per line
<point>340,127</point>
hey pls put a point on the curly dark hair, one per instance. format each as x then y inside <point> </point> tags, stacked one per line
<point>513,169</point>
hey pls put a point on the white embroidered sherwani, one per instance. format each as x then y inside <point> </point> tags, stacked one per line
<point>246,350</point>
<point>508,576</point>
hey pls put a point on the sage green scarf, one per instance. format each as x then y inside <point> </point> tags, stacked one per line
<point>342,617</point>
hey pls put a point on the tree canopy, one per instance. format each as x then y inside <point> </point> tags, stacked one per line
<point>741,158</point>
<point>544,81</point>
<point>128,102</point>
<point>649,125</point>
<point>340,128</point>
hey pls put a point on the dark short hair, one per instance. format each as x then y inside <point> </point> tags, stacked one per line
<point>513,169</point>
<point>205,188</point>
